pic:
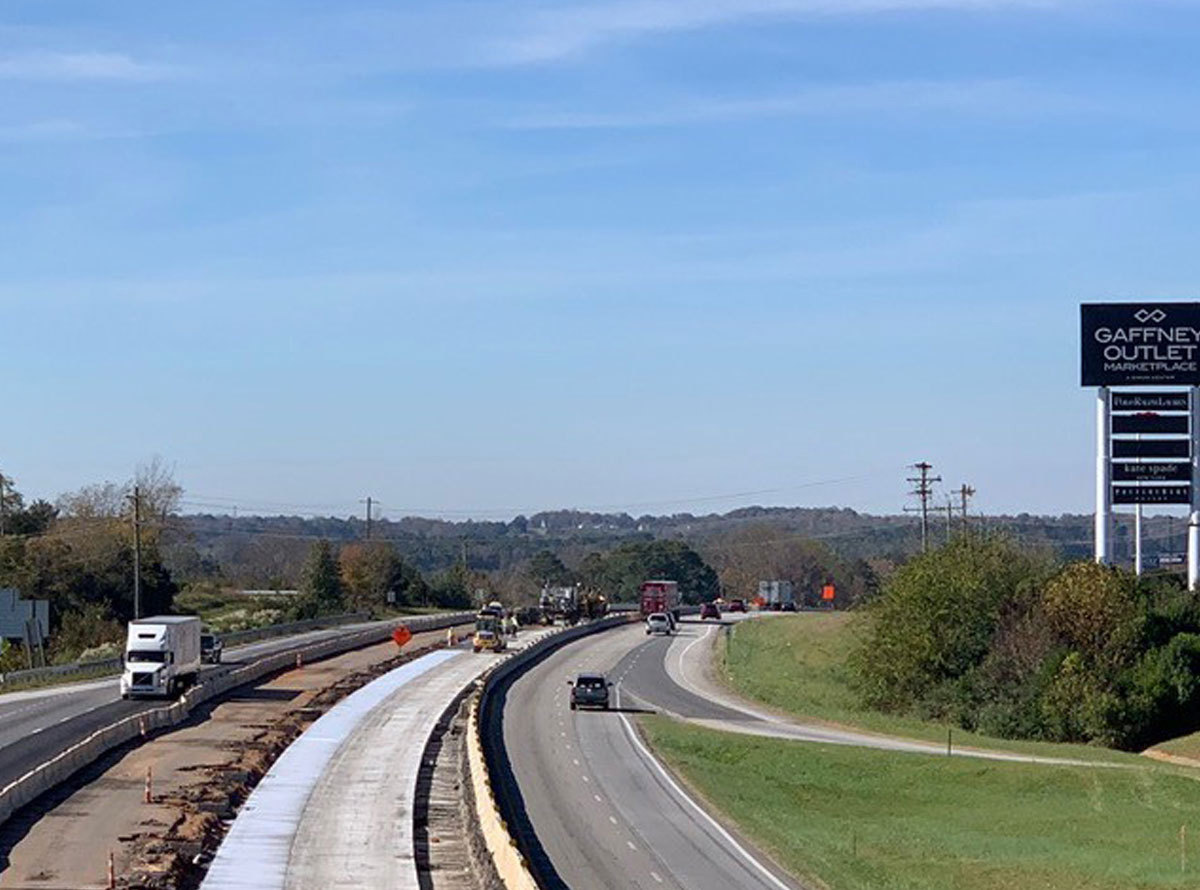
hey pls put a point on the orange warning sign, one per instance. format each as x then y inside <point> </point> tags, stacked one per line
<point>401,635</point>
<point>827,593</point>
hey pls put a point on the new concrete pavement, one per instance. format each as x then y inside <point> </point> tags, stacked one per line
<point>337,809</point>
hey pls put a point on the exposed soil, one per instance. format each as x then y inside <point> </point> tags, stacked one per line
<point>201,774</point>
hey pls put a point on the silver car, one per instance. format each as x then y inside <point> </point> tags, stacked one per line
<point>659,623</point>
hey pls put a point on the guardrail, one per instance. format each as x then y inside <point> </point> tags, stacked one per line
<point>102,666</point>
<point>65,764</point>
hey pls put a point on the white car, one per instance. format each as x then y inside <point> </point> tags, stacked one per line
<point>658,623</point>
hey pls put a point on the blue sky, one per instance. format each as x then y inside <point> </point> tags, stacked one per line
<point>479,258</point>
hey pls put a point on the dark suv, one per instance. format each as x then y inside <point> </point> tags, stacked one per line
<point>589,691</point>
<point>211,648</point>
<point>709,610</point>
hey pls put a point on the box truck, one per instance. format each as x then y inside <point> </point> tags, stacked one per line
<point>162,656</point>
<point>660,596</point>
<point>776,595</point>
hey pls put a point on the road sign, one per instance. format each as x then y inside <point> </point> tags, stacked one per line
<point>828,593</point>
<point>1151,448</point>
<point>1152,494</point>
<point>1167,471</point>
<point>1150,401</point>
<point>1150,423</point>
<point>1135,344</point>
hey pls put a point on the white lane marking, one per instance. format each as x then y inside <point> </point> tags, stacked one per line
<point>612,819</point>
<point>654,875</point>
<point>630,845</point>
<point>586,779</point>
<point>574,761</point>
<point>598,798</point>
<point>666,776</point>
<point>688,647</point>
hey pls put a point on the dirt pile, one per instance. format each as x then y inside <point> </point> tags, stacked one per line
<point>175,857</point>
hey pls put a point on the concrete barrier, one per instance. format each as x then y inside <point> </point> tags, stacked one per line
<point>66,763</point>
<point>113,665</point>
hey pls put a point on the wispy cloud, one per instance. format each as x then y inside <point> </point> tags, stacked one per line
<point>51,130</point>
<point>565,31</point>
<point>984,97</point>
<point>59,66</point>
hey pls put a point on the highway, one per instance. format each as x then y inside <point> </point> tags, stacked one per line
<point>39,722</point>
<point>605,813</point>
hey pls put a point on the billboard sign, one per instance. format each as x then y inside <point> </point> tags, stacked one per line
<point>1152,494</point>
<point>1140,344</point>
<point>1164,471</point>
<point>1151,448</point>
<point>1150,423</point>
<point>1150,401</point>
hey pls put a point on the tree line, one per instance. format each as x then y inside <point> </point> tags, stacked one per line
<point>991,636</point>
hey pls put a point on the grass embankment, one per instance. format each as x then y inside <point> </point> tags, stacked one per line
<point>859,819</point>
<point>798,664</point>
<point>1185,746</point>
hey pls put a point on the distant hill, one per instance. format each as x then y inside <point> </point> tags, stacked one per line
<point>268,550</point>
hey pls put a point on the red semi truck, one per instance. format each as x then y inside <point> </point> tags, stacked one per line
<point>660,596</point>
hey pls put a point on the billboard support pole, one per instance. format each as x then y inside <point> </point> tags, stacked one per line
<point>1104,477</point>
<point>1137,540</point>
<point>1193,540</point>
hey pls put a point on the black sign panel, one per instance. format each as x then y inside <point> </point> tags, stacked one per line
<point>1152,494</point>
<point>1161,472</point>
<point>1132,344</point>
<point>1150,401</point>
<point>1151,448</point>
<point>1150,423</point>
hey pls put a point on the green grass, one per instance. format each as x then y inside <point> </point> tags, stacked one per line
<point>858,819</point>
<point>798,665</point>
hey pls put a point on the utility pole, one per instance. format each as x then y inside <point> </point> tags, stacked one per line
<point>949,519</point>
<point>368,502</point>
<point>965,494</point>
<point>3,506</point>
<point>136,497</point>
<point>923,489</point>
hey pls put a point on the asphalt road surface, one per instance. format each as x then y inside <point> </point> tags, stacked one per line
<point>37,723</point>
<point>605,812</point>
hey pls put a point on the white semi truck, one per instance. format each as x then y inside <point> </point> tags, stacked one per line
<point>776,596</point>
<point>162,656</point>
